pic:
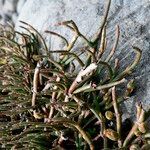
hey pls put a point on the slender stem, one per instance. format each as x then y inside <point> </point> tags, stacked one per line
<point>69,53</point>
<point>115,44</point>
<point>55,63</point>
<point>42,39</point>
<point>108,66</point>
<point>71,44</point>
<point>74,124</point>
<point>35,83</point>
<point>134,128</point>
<point>77,100</point>
<point>129,69</point>
<point>17,50</point>
<point>98,36</point>
<point>50,59</point>
<point>58,35</point>
<point>102,122</point>
<point>102,44</point>
<point>118,116</point>
<point>53,99</point>
<point>119,100</point>
<point>88,88</point>
<point>138,110</point>
<point>86,40</point>
<point>116,66</point>
<point>78,32</point>
<point>91,54</point>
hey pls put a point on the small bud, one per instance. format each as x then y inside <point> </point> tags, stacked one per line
<point>3,61</point>
<point>130,88</point>
<point>142,127</point>
<point>137,133</point>
<point>131,84</point>
<point>36,57</point>
<point>107,96</point>
<point>37,115</point>
<point>111,134</point>
<point>134,147</point>
<point>109,115</point>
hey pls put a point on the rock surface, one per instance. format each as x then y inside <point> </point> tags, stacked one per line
<point>9,10</point>
<point>133,17</point>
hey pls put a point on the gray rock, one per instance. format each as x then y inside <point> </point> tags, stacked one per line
<point>8,11</point>
<point>20,4</point>
<point>10,6</point>
<point>133,17</point>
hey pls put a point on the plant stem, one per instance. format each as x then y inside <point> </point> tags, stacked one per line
<point>53,99</point>
<point>115,44</point>
<point>40,36</point>
<point>103,43</point>
<point>35,83</point>
<point>58,35</point>
<point>74,124</point>
<point>134,128</point>
<point>102,122</point>
<point>118,116</point>
<point>88,88</point>
<point>98,36</point>
<point>129,69</point>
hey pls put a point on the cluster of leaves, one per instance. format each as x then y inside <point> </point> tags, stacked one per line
<point>49,104</point>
